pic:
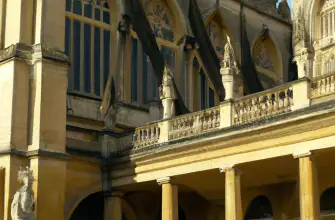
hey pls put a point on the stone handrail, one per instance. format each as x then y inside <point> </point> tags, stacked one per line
<point>264,104</point>
<point>285,98</point>
<point>323,85</point>
<point>192,124</point>
<point>146,135</point>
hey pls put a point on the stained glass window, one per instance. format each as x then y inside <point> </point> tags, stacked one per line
<point>215,35</point>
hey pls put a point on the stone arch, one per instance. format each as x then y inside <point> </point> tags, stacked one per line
<point>216,17</point>
<point>260,207</point>
<point>98,196</point>
<point>314,19</point>
<point>327,201</point>
<point>268,59</point>
<point>179,23</point>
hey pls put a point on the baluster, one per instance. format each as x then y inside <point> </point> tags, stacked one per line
<point>319,87</point>
<point>275,102</point>
<point>269,101</point>
<point>332,83</point>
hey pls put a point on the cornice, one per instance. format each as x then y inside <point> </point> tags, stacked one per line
<point>33,53</point>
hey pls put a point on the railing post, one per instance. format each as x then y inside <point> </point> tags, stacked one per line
<point>301,93</point>
<point>164,127</point>
<point>226,113</point>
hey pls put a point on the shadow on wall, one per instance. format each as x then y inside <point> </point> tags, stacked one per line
<point>259,208</point>
<point>91,208</point>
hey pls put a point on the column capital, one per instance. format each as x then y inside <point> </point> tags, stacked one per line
<point>164,180</point>
<point>302,154</point>
<point>227,168</point>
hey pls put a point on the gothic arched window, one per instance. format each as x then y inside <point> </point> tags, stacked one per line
<point>87,43</point>
<point>267,61</point>
<point>162,24</point>
<point>327,18</point>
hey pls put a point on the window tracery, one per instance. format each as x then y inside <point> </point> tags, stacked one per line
<point>160,19</point>
<point>327,18</point>
<point>87,43</point>
<point>263,59</point>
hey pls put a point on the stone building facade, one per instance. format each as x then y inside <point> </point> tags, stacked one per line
<point>267,155</point>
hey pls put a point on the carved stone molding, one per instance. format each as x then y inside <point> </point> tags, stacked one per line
<point>32,53</point>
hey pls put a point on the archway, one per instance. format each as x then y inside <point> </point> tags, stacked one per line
<point>259,208</point>
<point>92,207</point>
<point>268,61</point>
<point>327,201</point>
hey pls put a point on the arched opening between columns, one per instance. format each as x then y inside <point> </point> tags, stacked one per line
<point>92,207</point>
<point>259,208</point>
<point>327,202</point>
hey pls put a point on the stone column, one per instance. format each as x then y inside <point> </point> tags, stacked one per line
<point>309,197</point>
<point>169,199</point>
<point>113,207</point>
<point>233,203</point>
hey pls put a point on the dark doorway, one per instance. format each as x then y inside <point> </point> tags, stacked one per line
<point>327,201</point>
<point>91,208</point>
<point>259,208</point>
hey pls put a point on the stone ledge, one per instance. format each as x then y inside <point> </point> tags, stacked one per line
<point>33,53</point>
<point>38,153</point>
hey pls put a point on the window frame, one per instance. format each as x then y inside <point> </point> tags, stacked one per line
<point>93,24</point>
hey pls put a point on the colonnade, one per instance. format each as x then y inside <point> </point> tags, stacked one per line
<point>308,184</point>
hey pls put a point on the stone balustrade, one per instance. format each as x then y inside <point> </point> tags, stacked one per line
<point>192,124</point>
<point>323,85</point>
<point>279,100</point>
<point>146,135</point>
<point>264,104</point>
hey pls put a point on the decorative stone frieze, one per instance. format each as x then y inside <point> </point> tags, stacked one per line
<point>304,58</point>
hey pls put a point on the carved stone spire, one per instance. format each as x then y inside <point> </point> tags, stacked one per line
<point>230,73</point>
<point>284,11</point>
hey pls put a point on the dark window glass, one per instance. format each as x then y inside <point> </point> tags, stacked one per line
<point>134,78</point>
<point>211,98</point>
<point>203,89</point>
<point>67,36</point>
<point>105,5</point>
<point>88,10</point>
<point>97,14</point>
<point>145,78</point>
<point>106,56</point>
<point>106,17</point>
<point>68,5</point>
<point>77,7</point>
<point>76,54</point>
<point>67,47</point>
<point>97,61</point>
<point>87,58</point>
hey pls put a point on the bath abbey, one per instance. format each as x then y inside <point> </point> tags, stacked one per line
<point>167,110</point>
